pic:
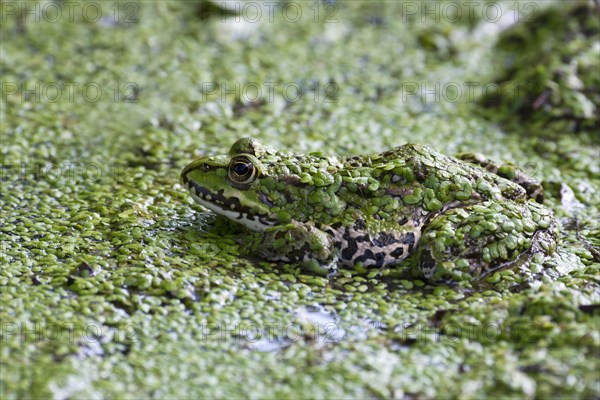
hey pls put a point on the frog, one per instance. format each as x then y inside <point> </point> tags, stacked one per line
<point>457,217</point>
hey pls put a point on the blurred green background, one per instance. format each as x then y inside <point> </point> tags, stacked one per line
<point>114,285</point>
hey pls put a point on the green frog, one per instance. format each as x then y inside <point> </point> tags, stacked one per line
<point>460,217</point>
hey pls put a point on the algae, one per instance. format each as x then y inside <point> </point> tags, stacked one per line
<point>551,76</point>
<point>114,284</point>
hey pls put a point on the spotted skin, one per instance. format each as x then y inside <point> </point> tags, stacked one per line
<point>356,244</point>
<point>460,216</point>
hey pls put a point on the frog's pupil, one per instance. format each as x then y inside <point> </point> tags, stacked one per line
<point>241,169</point>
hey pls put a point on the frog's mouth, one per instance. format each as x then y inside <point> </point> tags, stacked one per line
<point>229,207</point>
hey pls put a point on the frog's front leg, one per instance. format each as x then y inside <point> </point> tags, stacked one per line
<point>297,243</point>
<point>470,242</point>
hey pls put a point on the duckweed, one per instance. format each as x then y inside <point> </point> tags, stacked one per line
<point>112,284</point>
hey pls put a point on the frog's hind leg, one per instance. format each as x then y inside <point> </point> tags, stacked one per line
<point>468,243</point>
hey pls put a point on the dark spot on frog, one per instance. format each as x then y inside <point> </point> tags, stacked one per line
<point>427,263</point>
<point>336,225</point>
<point>365,255</point>
<point>264,199</point>
<point>379,258</point>
<point>369,255</point>
<point>350,250</point>
<point>408,239</point>
<point>360,225</point>
<point>364,238</point>
<point>398,252</point>
<point>305,249</point>
<point>384,239</point>
<point>359,239</point>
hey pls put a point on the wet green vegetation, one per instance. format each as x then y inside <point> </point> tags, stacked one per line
<point>114,284</point>
<point>551,74</point>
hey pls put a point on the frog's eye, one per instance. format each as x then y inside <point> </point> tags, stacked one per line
<point>241,170</point>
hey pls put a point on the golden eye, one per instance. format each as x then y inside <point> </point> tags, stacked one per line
<point>241,170</point>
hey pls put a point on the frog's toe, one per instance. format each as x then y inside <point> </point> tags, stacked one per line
<point>313,265</point>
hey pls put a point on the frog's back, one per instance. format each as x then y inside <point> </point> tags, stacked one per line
<point>512,181</point>
<point>532,186</point>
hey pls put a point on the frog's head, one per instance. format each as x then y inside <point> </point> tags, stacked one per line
<point>229,184</point>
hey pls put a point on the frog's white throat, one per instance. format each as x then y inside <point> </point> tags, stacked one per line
<point>251,222</point>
